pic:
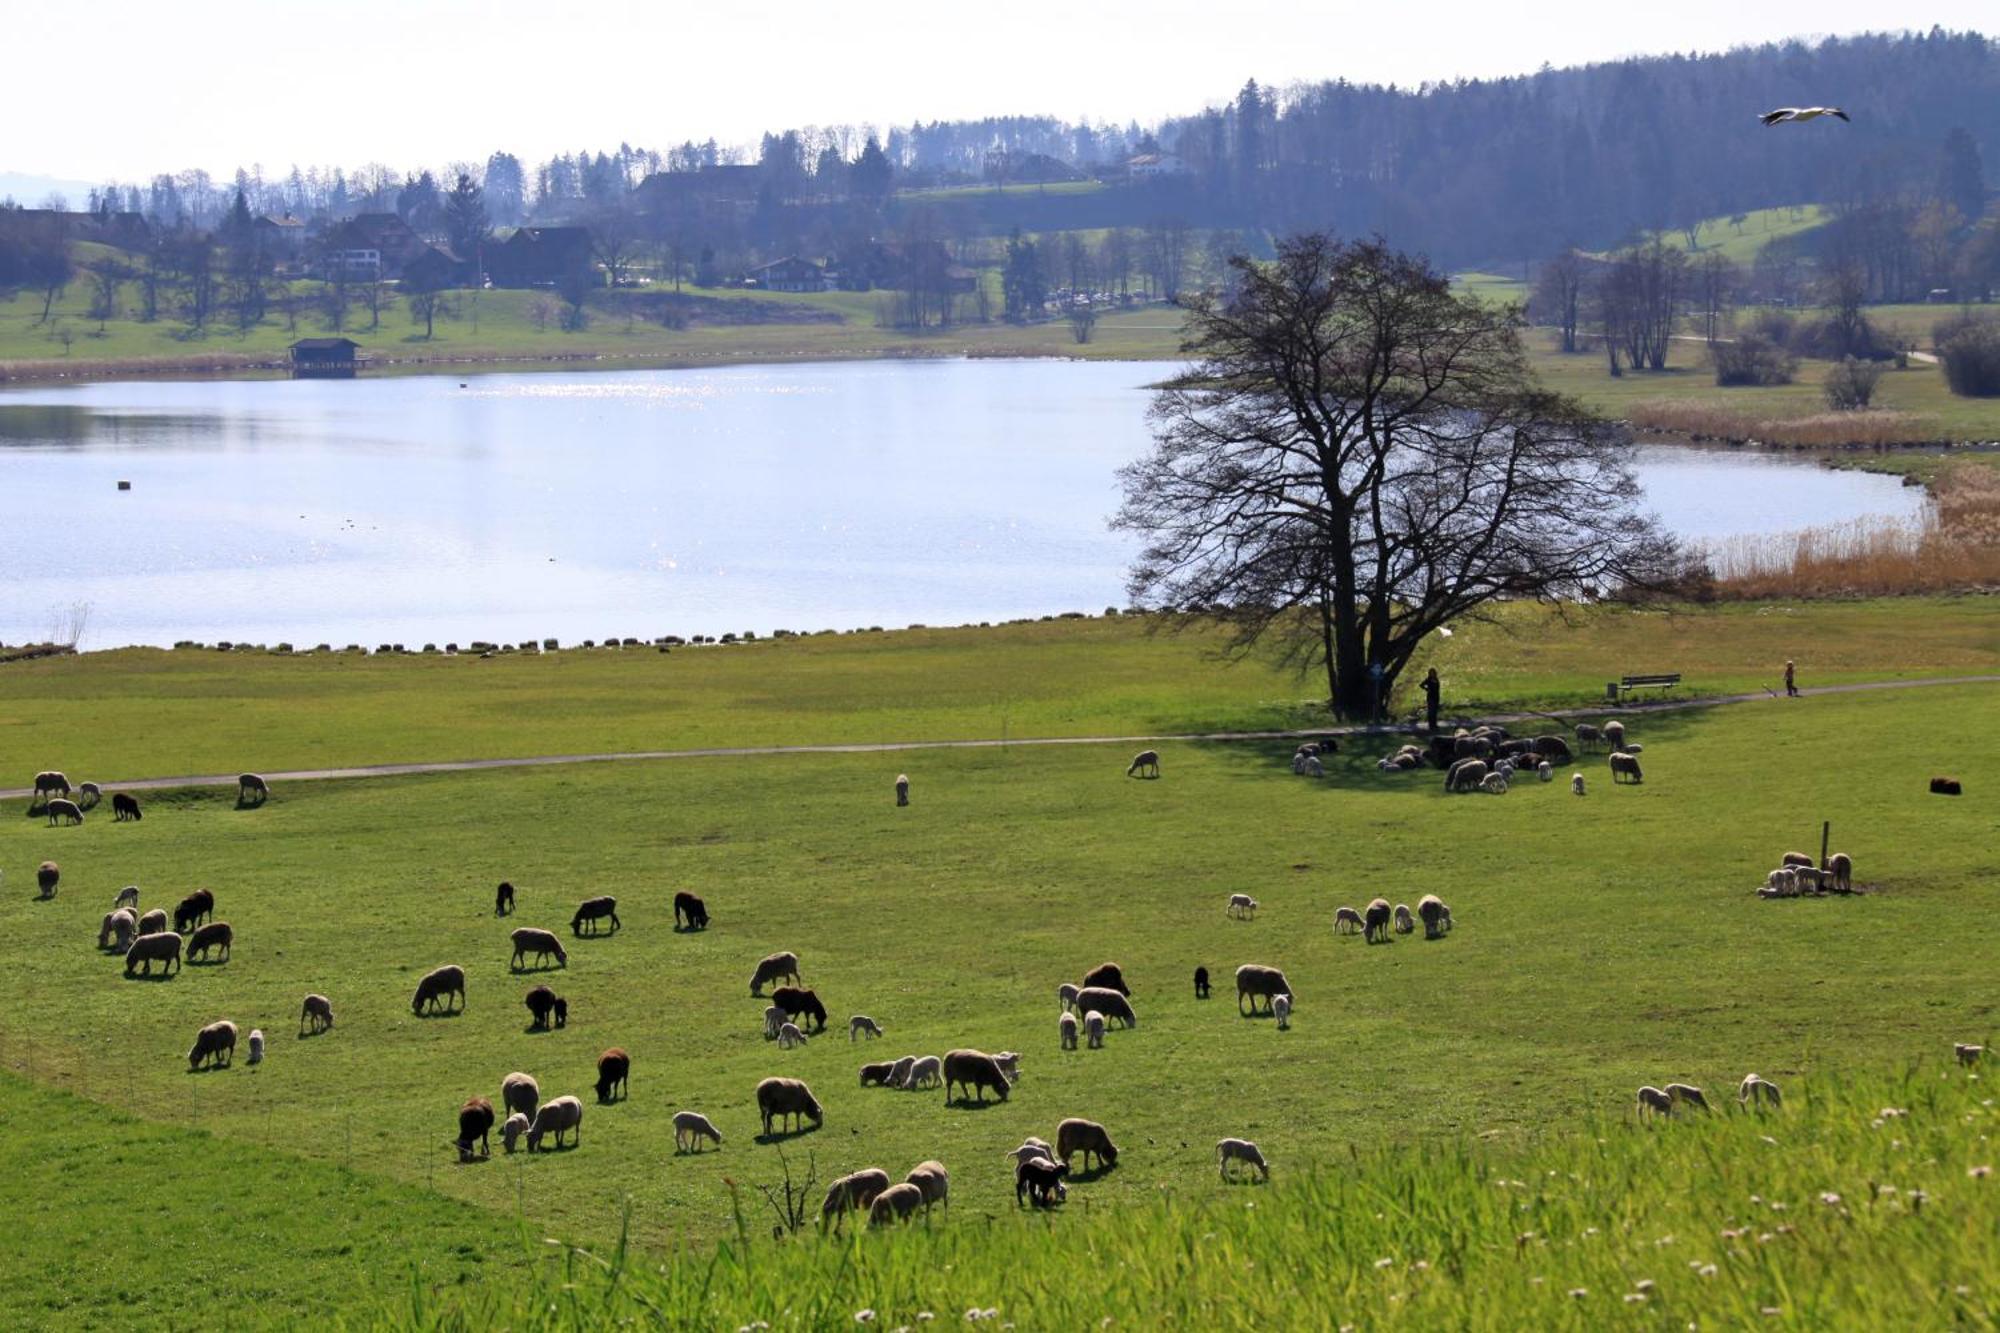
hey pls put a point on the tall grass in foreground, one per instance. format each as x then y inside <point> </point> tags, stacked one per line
<point>1868,1204</point>
<point>1817,430</point>
<point>1954,544</point>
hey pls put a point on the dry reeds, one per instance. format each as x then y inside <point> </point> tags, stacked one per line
<point>1822,430</point>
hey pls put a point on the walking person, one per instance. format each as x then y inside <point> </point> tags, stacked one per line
<point>1431,687</point>
<point>1791,678</point>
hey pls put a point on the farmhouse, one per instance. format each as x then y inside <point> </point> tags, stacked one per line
<point>1147,165</point>
<point>370,245</point>
<point>790,274</point>
<point>280,237</point>
<point>538,256</point>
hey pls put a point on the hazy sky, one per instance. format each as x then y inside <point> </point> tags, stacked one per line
<point>135,87</point>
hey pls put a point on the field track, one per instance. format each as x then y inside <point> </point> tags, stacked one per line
<point>881,747</point>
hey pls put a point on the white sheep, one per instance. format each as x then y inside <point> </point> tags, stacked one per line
<point>861,1023</point>
<point>1347,917</point>
<point>1688,1093</point>
<point>1242,906</point>
<point>690,1128</point>
<point>1576,783</point>
<point>899,1073</point>
<point>1010,1064</point>
<point>1239,1150</point>
<point>256,1046</point>
<point>510,1132</point>
<point>1281,1005</point>
<point>774,1018</point>
<point>1756,1090</point>
<point>1625,764</point>
<point>1545,771</point>
<point>1032,1150</point>
<point>1405,923</point>
<point>1067,994</point>
<point>1312,767</point>
<point>127,897</point>
<point>1066,1027</point>
<point>925,1072</point>
<point>1093,1026</point>
<point>790,1035</point>
<point>1841,866</point>
<point>1655,1102</point>
<point>1614,734</point>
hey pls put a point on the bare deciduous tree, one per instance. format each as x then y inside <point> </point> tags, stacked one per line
<point>1558,298</point>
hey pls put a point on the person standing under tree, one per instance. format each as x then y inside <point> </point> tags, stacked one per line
<point>1791,676</point>
<point>1431,686</point>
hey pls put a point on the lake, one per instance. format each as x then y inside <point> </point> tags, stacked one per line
<point>507,507</point>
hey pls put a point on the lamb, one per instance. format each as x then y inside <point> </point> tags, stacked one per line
<point>127,897</point>
<point>1614,734</point>
<point>1241,905</point>
<point>894,1204</point>
<point>614,1070</point>
<point>1465,775</point>
<point>1377,922</point>
<point>1840,867</point>
<point>1076,1135</point>
<point>1494,783</point>
<point>899,1072</point>
<point>1781,883</point>
<point>932,1181</point>
<point>1625,765</point>
<point>1576,783</point>
<point>1545,771</point>
<point>692,909</point>
<point>1808,879</point>
<point>437,988</point>
<point>1040,1181</point>
<point>88,795</point>
<point>1687,1092</point>
<point>47,875</point>
<point>1145,759</point>
<point>1107,1002</point>
<point>1093,1023</point>
<point>1346,921</point>
<point>787,1098</point>
<point>117,930</point>
<point>1435,915</point>
<point>163,947</point>
<point>564,1114</point>
<point>1066,994</point>
<point>214,1045</point>
<point>878,1074</point>
<point>1259,982</point>
<point>151,923</point>
<point>503,902</point>
<point>214,935</point>
<point>690,1128</point>
<point>124,807</point>
<point>796,1002</point>
<point>256,1046</point>
<point>192,910</point>
<point>316,1015</point>
<point>789,1036</point>
<point>974,1072</point>
<point>544,1004</point>
<point>1010,1064</point>
<point>248,785</point>
<point>1967,1054</point>
<point>1107,977</point>
<point>902,789</point>
<point>594,910</point>
<point>1312,767</point>
<point>510,1133</point>
<point>1755,1091</point>
<point>1654,1102</point>
<point>777,967</point>
<point>1031,1148</point>
<point>774,1018</point>
<point>1066,1029</point>
<point>543,944</point>
<point>1281,1007</point>
<point>58,809</point>
<point>1201,983</point>
<point>1239,1150</point>
<point>1405,923</point>
<point>475,1121</point>
<point>853,1192</point>
<point>520,1093</point>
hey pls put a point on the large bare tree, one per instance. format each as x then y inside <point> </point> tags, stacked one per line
<point>1355,456</point>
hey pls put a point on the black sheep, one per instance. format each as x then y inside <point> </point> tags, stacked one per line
<point>1201,983</point>
<point>503,899</point>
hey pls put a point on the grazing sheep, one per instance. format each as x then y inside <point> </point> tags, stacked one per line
<point>503,900</point>
<point>1377,919</point>
<point>248,785</point>
<point>1755,1091</point>
<point>1797,859</point>
<point>902,789</point>
<point>1010,1064</point>
<point>594,910</point>
<point>787,1098</point>
<point>1108,1002</point>
<point>1346,921</point>
<point>124,807</point>
<point>790,1035</point>
<point>1241,905</point>
<point>192,910</point>
<point>47,875</point>
<point>1587,736</point>
<point>151,923</point>
<point>894,1204</point>
<point>1465,775</point>
<point>973,1072</point>
<point>1808,879</point>
<point>1093,1024</point>
<point>1781,883</point>
<point>214,935</point>
<point>1635,748</point>
<point>932,1181</point>
<point>853,1192</point>
<point>1946,787</point>
<point>475,1121</point>
<point>1550,750</point>
<point>800,1003</point>
<point>1545,771</point>
<point>614,1071</point>
<point>1040,1181</point>
<point>520,1093</point>
<point>1066,994</point>
<point>48,784</point>
<point>1841,866</point>
<point>117,929</point>
<point>1312,767</point>
<point>1435,915</point>
<point>564,1114</point>
<point>1688,1093</point>
<point>691,909</point>
<point>542,1003</point>
<point>1625,765</point>
<point>1201,983</point>
<point>1031,1147</point>
<point>88,795</point>
<point>1239,1150</point>
<point>774,1018</point>
<point>1066,1029</point>
<point>1655,1102</point>
<point>59,809</point>
<point>861,1023</point>
<point>1576,783</point>
<point>1495,783</point>
<point>316,1015</point>
<point>163,947</point>
<point>1259,982</point>
<point>437,987</point>
<point>541,943</point>
<point>1076,1135</point>
<point>1472,747</point>
<point>1614,734</point>
<point>1281,1007</point>
<point>214,1045</point>
<point>877,1074</point>
<point>690,1128</point>
<point>777,967</point>
<point>899,1072</point>
<point>1968,1054</point>
<point>1405,923</point>
<point>127,897</point>
<point>1106,976</point>
<point>511,1132</point>
<point>1146,759</point>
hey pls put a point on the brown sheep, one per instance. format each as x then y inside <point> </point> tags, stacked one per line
<point>693,909</point>
<point>1075,1136</point>
<point>214,935</point>
<point>894,1204</point>
<point>932,1181</point>
<point>475,1121</point>
<point>153,922</point>
<point>797,1003</point>
<point>215,1045</point>
<point>1147,760</point>
<point>877,1074</point>
<point>853,1192</point>
<point>1841,866</point>
<point>194,909</point>
<point>47,876</point>
<point>1107,1002</point>
<point>554,1117</point>
<point>1626,766</point>
<point>614,1069</point>
<point>521,1094</point>
<point>1259,982</point>
<point>124,807</point>
<point>777,967</point>
<point>437,988</point>
<point>316,1014</point>
<point>503,899</point>
<point>787,1098</point>
<point>117,930</point>
<point>974,1072</point>
<point>540,943</point>
<point>1108,977</point>
<point>594,910</point>
<point>163,947</point>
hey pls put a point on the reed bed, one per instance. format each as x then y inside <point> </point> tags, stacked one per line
<point>1878,428</point>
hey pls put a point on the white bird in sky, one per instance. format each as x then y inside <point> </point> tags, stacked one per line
<point>1785,113</point>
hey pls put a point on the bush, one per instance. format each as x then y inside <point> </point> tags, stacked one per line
<point>1775,326</point>
<point>1971,358</point>
<point>1752,359</point>
<point>1850,385</point>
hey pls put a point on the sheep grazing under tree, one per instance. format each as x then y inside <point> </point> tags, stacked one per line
<point>438,988</point>
<point>163,947</point>
<point>1146,763</point>
<point>1087,1137</point>
<point>1377,919</point>
<point>787,1099</point>
<point>862,1023</point>
<point>691,910</point>
<point>1258,982</point>
<point>1066,1029</point>
<point>1435,915</point>
<point>974,1072</point>
<point>1625,766</point>
<point>503,899</point>
<point>1093,1026</point>
<point>691,1127</point>
<point>545,1004</point>
<point>1346,921</point>
<point>800,1003</point>
<point>316,1015</point>
<point>520,1093</point>
<point>249,786</point>
<point>124,807</point>
<point>614,1070</point>
<point>59,810</point>
<point>1241,906</point>
<point>475,1123</point>
<point>1754,1091</point>
<point>214,1045</point>
<point>1110,1003</point>
<point>216,935</point>
<point>192,910</point>
<point>1239,1150</point>
<point>1201,983</point>
<point>594,910</point>
<point>852,1193</point>
<point>543,944</point>
<point>1106,976</point>
<point>563,1115</point>
<point>776,967</point>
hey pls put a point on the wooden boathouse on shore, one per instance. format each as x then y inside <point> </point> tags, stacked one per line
<point>325,358</point>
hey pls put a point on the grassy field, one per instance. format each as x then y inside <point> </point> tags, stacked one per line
<point>155,713</point>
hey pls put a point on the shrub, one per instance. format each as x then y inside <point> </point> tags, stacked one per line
<point>1752,359</point>
<point>1971,359</point>
<point>1850,385</point>
<point>1774,326</point>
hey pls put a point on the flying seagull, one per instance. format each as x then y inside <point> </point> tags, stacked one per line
<point>1785,113</point>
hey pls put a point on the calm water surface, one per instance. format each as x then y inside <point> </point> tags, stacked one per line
<point>634,503</point>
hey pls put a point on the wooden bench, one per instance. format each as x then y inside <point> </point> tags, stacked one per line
<point>1665,680</point>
